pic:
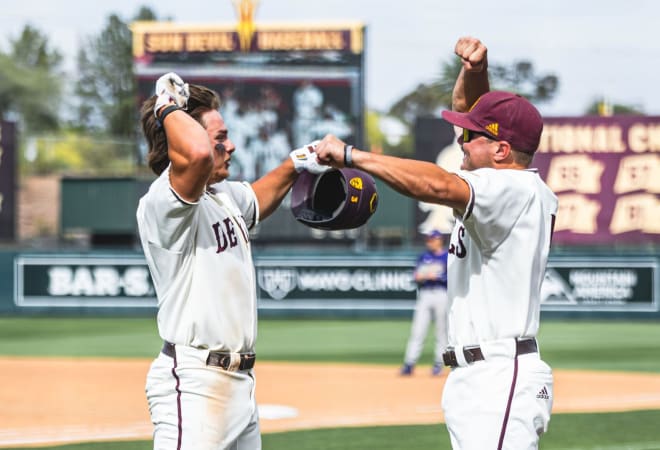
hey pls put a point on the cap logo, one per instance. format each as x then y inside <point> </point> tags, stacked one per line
<point>356,183</point>
<point>493,128</point>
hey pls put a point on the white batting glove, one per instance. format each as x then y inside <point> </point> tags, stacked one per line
<point>304,158</point>
<point>171,88</point>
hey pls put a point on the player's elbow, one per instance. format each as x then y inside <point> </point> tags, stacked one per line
<point>449,191</point>
<point>196,157</point>
<point>436,191</point>
<point>201,154</point>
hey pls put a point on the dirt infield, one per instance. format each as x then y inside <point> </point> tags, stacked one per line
<point>69,400</point>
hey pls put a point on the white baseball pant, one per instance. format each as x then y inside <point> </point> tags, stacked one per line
<point>198,407</point>
<point>498,404</point>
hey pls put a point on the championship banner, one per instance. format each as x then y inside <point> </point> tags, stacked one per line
<point>7,181</point>
<point>606,174</point>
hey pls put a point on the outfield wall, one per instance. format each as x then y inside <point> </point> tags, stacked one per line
<point>314,285</point>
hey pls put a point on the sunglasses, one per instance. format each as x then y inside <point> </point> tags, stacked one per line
<point>469,135</point>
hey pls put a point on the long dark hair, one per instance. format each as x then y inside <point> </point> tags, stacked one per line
<point>202,99</point>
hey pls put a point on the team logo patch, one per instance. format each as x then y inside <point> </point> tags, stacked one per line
<point>356,183</point>
<point>373,202</point>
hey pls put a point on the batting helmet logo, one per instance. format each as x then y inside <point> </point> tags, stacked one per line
<point>339,199</point>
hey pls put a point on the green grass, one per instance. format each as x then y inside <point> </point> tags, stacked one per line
<point>602,345</point>
<point>609,431</point>
<point>104,337</point>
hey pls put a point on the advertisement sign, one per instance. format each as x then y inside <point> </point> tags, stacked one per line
<point>336,284</point>
<point>606,173</point>
<point>83,281</point>
<point>611,284</point>
<point>7,181</point>
<point>325,283</point>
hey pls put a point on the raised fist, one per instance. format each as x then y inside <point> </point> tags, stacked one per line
<point>171,88</point>
<point>304,158</point>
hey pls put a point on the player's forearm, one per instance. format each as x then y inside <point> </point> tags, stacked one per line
<point>469,86</point>
<point>271,189</point>
<point>186,137</point>
<point>420,180</point>
<point>191,154</point>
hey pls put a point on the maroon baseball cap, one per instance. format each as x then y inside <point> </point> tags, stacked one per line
<point>503,116</point>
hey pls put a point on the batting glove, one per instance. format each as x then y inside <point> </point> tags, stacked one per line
<point>171,88</point>
<point>304,158</point>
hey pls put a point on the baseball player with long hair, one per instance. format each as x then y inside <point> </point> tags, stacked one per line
<point>194,228</point>
<point>499,392</point>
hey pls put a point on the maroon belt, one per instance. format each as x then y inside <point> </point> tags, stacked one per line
<point>218,359</point>
<point>473,354</point>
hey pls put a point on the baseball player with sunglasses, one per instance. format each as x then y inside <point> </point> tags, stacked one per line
<point>194,228</point>
<point>499,392</point>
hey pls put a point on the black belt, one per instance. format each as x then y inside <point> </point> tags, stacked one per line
<point>218,359</point>
<point>473,354</point>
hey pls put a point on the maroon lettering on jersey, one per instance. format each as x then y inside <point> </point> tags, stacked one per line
<point>226,236</point>
<point>458,249</point>
<point>231,233</point>
<point>222,244</point>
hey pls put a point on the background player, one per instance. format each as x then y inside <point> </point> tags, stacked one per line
<point>431,278</point>
<point>194,229</point>
<point>499,392</point>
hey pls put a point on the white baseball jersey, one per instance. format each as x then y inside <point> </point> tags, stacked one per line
<point>497,256</point>
<point>200,261</point>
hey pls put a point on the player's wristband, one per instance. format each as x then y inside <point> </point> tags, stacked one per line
<point>168,110</point>
<point>348,155</point>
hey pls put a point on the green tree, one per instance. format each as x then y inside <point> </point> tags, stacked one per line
<point>518,77</point>
<point>426,99</point>
<point>106,83</point>
<point>30,81</point>
<point>31,50</point>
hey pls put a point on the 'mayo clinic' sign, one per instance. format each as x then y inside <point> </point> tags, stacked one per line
<point>336,283</point>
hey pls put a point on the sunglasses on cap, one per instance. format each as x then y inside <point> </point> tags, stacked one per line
<point>469,135</point>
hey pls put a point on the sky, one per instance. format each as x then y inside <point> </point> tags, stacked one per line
<point>598,49</point>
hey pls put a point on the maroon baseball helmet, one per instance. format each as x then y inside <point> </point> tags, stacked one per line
<point>339,199</point>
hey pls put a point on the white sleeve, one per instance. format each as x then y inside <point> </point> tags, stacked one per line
<point>167,219</point>
<point>497,199</point>
<point>246,200</point>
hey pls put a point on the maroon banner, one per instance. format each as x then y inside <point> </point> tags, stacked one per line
<point>606,174</point>
<point>7,181</point>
